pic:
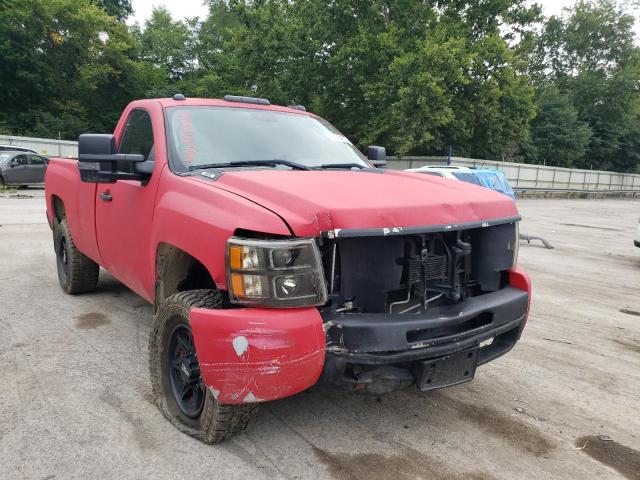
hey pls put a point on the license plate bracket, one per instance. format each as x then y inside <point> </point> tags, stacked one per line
<point>447,371</point>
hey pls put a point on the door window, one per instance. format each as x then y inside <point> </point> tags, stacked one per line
<point>37,160</point>
<point>20,160</point>
<point>137,138</point>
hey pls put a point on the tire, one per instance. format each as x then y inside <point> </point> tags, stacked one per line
<point>202,417</point>
<point>77,273</point>
<point>3,182</point>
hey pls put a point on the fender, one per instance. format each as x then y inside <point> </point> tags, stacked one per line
<point>198,218</point>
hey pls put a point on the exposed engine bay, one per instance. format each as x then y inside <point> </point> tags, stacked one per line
<point>406,274</point>
<point>424,307</point>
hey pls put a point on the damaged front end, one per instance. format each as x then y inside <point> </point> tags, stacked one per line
<point>369,310</point>
<point>422,306</point>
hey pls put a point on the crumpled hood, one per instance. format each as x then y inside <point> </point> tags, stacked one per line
<point>315,201</point>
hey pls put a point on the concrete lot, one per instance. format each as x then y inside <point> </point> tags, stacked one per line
<point>75,395</point>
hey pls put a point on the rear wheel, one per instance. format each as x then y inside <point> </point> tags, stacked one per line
<point>3,182</point>
<point>77,273</point>
<point>178,388</point>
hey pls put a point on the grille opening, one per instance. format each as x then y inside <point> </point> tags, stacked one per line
<point>421,335</point>
<point>409,274</point>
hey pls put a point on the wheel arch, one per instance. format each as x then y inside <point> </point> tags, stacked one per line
<point>176,271</point>
<point>58,208</point>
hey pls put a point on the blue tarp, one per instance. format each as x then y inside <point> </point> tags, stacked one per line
<point>493,179</point>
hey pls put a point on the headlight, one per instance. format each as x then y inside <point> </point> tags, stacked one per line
<point>275,273</point>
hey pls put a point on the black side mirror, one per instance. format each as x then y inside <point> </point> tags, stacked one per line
<point>377,156</point>
<point>98,160</point>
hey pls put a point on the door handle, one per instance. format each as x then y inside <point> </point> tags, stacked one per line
<point>106,196</point>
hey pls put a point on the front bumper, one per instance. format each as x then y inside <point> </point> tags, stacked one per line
<point>362,348</point>
<point>258,354</point>
<point>254,354</point>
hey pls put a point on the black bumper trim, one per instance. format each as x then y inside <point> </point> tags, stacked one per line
<point>499,347</point>
<point>378,373</point>
<point>387,335</point>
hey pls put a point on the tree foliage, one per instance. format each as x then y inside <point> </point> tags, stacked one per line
<point>589,56</point>
<point>491,78</point>
<point>557,135</point>
<point>120,9</point>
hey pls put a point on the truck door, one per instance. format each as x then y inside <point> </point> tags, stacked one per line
<point>124,209</point>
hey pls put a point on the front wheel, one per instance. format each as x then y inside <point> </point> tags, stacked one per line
<point>178,388</point>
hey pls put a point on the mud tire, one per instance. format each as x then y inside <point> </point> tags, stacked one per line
<point>216,422</point>
<point>77,273</point>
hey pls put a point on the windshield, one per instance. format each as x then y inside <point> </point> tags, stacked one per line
<point>227,135</point>
<point>4,156</point>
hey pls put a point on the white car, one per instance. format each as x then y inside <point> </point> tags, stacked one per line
<point>440,171</point>
<point>495,180</point>
<point>636,241</point>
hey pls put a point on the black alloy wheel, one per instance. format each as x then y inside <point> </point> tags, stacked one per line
<point>62,257</point>
<point>187,386</point>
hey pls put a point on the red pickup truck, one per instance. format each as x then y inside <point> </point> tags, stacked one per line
<point>276,255</point>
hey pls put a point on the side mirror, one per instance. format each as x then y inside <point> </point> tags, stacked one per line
<point>98,160</point>
<point>377,156</point>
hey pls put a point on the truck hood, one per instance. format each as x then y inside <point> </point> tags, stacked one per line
<point>311,202</point>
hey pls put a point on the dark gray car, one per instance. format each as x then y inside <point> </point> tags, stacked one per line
<point>22,168</point>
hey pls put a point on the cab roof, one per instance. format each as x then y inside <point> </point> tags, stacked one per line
<point>216,102</point>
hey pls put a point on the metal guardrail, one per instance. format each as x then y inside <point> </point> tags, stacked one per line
<point>527,175</point>
<point>522,191</point>
<point>44,146</point>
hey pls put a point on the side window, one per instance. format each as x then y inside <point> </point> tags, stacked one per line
<point>137,137</point>
<point>20,160</point>
<point>37,160</point>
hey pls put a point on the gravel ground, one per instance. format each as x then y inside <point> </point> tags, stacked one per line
<point>75,400</point>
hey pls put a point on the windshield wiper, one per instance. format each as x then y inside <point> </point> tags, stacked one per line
<point>342,165</point>
<point>248,163</point>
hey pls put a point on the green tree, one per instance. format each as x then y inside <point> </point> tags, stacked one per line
<point>66,67</point>
<point>591,56</point>
<point>414,76</point>
<point>557,136</point>
<point>120,9</point>
<point>168,45</point>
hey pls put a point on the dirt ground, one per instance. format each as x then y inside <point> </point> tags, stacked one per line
<point>75,399</point>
